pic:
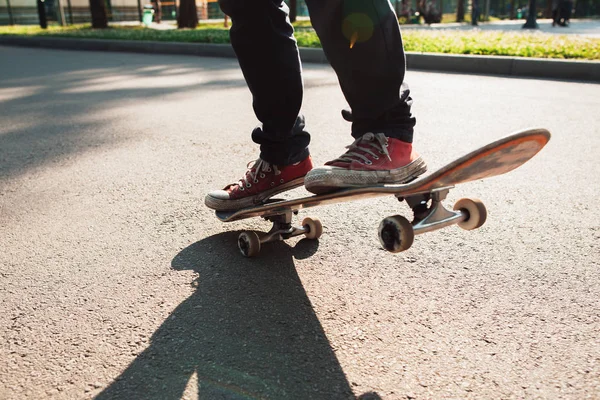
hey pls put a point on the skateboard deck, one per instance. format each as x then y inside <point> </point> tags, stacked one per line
<point>424,196</point>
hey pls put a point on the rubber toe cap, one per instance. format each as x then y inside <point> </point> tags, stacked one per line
<point>218,195</point>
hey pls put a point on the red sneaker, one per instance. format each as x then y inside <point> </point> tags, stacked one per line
<point>372,159</point>
<point>262,181</point>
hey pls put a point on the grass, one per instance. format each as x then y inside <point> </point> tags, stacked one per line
<point>453,42</point>
<point>205,34</point>
<point>503,44</point>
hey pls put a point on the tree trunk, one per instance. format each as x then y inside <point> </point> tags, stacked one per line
<point>474,12</point>
<point>293,10</point>
<point>61,13</point>
<point>548,10</point>
<point>460,11</point>
<point>512,9</point>
<point>188,14</point>
<point>99,18</point>
<point>531,17</point>
<point>10,16</point>
<point>41,8</point>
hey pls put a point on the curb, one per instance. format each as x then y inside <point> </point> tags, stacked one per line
<point>470,64</point>
<point>511,66</point>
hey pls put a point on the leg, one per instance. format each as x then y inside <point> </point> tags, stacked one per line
<point>262,37</point>
<point>263,40</point>
<point>362,41</point>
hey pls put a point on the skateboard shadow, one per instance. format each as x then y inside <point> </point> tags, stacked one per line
<point>248,331</point>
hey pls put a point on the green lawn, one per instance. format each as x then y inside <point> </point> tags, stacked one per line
<point>522,44</point>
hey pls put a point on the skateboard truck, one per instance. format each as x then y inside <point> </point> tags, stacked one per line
<point>249,242</point>
<point>397,234</point>
<point>436,216</point>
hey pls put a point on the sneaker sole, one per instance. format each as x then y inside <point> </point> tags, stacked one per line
<point>328,179</point>
<point>245,202</point>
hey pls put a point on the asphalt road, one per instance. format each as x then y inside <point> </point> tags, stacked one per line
<point>117,283</point>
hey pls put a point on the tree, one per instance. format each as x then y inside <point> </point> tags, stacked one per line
<point>460,11</point>
<point>99,18</point>
<point>475,12</point>
<point>41,8</point>
<point>512,9</point>
<point>421,7</point>
<point>548,10</point>
<point>531,17</point>
<point>188,14</point>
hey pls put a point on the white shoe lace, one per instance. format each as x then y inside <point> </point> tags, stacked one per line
<point>377,142</point>
<point>256,170</point>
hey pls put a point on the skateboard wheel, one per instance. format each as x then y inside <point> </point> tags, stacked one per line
<point>249,244</point>
<point>396,234</point>
<point>475,211</point>
<point>314,228</point>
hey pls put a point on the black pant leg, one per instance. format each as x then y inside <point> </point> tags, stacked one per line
<point>262,38</point>
<point>362,41</point>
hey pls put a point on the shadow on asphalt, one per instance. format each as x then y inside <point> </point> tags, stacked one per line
<point>248,331</point>
<point>51,84</point>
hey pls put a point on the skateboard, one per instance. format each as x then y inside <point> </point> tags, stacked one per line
<point>424,195</point>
